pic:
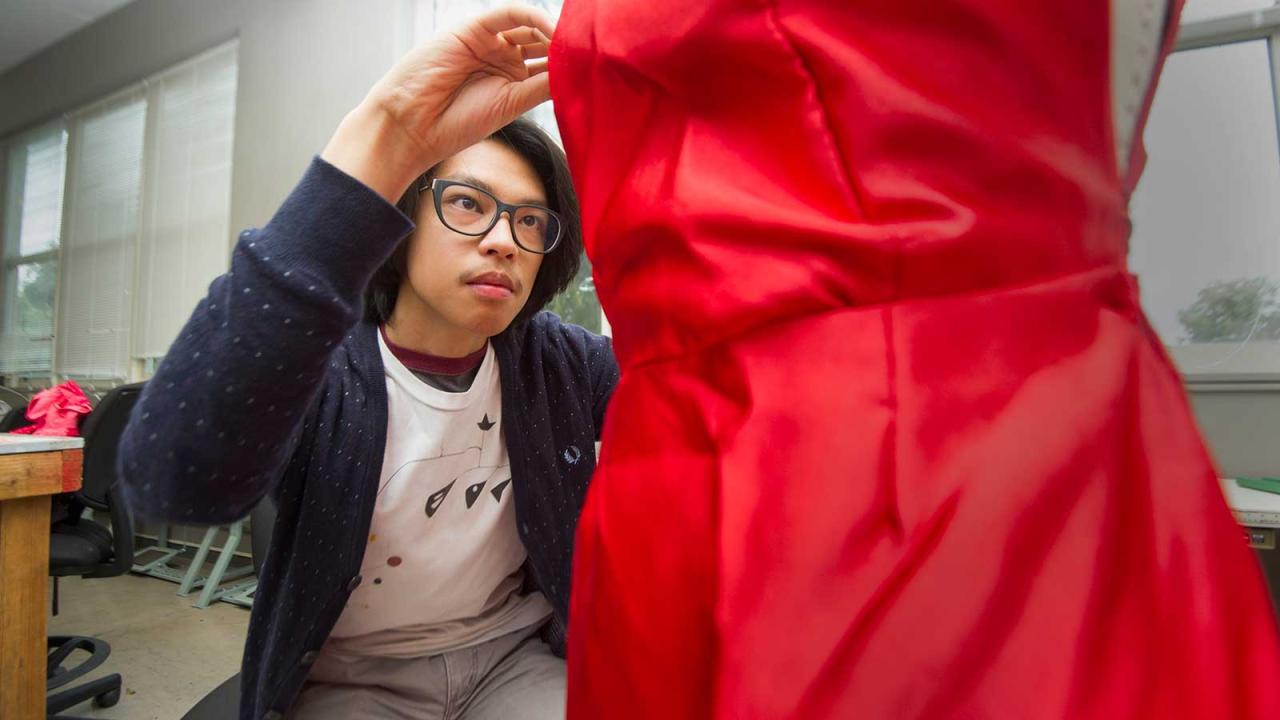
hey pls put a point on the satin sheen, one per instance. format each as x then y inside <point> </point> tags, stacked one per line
<point>893,438</point>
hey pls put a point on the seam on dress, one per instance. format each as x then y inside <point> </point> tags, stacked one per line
<point>856,195</point>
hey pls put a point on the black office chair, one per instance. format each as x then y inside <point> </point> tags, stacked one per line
<point>221,703</point>
<point>10,399</point>
<point>78,546</point>
<point>13,410</point>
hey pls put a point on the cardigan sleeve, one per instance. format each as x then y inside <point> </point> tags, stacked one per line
<point>217,424</point>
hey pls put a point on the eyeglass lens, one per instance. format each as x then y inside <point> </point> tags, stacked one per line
<point>470,210</point>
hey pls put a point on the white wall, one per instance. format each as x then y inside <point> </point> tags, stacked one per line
<point>302,65</point>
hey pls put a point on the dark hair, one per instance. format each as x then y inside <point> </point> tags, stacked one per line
<point>558,267</point>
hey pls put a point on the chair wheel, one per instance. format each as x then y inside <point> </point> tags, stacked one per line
<point>107,699</point>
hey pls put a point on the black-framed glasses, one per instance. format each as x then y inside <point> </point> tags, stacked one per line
<point>469,210</point>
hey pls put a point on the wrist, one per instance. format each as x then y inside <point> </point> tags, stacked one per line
<point>372,148</point>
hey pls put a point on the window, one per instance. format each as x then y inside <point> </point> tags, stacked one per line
<point>102,227</point>
<point>141,232</point>
<point>1206,242</point>
<point>187,203</point>
<point>36,167</point>
<point>1206,9</point>
<point>578,304</point>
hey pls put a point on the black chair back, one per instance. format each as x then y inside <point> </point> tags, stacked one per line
<point>11,399</point>
<point>13,410</point>
<point>14,419</point>
<point>102,430</point>
<point>100,488</point>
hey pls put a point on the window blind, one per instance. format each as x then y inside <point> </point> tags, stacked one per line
<point>103,193</point>
<point>184,234</point>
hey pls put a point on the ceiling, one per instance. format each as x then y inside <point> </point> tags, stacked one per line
<point>29,26</point>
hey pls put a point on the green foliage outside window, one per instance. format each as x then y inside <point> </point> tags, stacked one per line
<point>578,304</point>
<point>1233,311</point>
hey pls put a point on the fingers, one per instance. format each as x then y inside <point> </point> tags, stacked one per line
<point>525,36</point>
<point>531,52</point>
<point>513,17</point>
<point>532,92</point>
<point>531,42</point>
<point>537,67</point>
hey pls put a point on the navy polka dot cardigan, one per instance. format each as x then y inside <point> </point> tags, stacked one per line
<point>276,385</point>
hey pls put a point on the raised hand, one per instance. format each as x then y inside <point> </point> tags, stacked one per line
<point>444,96</point>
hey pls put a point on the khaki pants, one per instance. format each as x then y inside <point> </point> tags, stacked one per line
<point>512,676</point>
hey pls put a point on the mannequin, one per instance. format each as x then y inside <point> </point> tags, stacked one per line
<point>893,438</point>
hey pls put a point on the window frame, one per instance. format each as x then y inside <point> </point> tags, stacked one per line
<point>11,257</point>
<point>1262,24</point>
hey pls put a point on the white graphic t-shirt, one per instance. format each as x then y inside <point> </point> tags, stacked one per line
<point>442,568</point>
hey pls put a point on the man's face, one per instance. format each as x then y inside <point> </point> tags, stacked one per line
<point>474,284</point>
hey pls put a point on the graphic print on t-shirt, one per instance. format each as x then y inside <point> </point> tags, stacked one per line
<point>442,540</point>
<point>443,464</point>
<point>436,499</point>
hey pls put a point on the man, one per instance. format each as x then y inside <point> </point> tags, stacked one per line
<point>429,460</point>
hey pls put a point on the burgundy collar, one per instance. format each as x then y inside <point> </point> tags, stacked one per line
<point>424,363</point>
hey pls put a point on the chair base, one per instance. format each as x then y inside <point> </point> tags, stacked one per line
<point>104,691</point>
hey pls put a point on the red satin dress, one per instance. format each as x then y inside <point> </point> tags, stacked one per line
<point>893,438</point>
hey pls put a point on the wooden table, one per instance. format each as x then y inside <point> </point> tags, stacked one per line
<point>32,468</point>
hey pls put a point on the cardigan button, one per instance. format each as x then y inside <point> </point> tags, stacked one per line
<point>309,657</point>
<point>355,583</point>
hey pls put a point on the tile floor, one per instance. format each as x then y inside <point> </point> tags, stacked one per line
<point>170,653</point>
